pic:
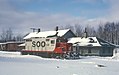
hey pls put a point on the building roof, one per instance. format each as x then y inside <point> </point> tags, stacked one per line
<point>105,43</point>
<point>3,43</point>
<point>46,33</point>
<point>89,41</point>
<point>23,44</point>
<point>11,42</point>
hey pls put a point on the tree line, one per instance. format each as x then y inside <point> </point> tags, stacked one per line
<point>8,35</point>
<point>108,31</point>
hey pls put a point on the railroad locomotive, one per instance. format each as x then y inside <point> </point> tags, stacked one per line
<point>51,47</point>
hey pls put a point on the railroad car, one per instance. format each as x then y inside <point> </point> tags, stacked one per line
<point>51,47</point>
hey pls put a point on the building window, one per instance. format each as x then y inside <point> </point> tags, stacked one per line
<point>63,49</point>
<point>89,50</point>
<point>103,51</point>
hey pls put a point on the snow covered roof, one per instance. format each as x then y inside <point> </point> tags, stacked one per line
<point>11,42</point>
<point>89,41</point>
<point>46,33</point>
<point>23,44</point>
<point>3,43</point>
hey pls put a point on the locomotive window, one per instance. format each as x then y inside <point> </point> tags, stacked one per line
<point>52,41</point>
<point>47,39</point>
<point>63,49</point>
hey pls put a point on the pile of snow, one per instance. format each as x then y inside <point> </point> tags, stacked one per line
<point>9,53</point>
<point>16,55</point>
<point>116,56</point>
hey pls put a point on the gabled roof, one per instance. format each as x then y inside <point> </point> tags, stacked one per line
<point>46,33</point>
<point>89,41</point>
<point>105,43</point>
<point>11,42</point>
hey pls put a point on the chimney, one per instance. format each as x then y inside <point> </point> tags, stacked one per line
<point>85,33</point>
<point>56,28</point>
<point>56,34</point>
<point>38,30</point>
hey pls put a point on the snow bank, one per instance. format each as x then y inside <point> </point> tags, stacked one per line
<point>116,56</point>
<point>13,63</point>
<point>16,55</point>
<point>9,53</point>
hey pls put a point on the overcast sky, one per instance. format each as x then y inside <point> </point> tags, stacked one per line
<point>21,15</point>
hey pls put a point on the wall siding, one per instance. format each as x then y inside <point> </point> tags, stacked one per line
<point>94,51</point>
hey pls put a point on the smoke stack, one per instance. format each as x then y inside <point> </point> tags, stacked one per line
<point>85,33</point>
<point>56,28</point>
<point>38,30</point>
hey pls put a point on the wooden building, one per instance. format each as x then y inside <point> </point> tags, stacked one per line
<point>11,46</point>
<point>92,46</point>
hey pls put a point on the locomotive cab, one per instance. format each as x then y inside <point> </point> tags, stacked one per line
<point>62,46</point>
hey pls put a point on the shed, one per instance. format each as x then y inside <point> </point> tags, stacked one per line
<point>11,46</point>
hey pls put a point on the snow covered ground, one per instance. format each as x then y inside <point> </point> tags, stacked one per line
<point>12,63</point>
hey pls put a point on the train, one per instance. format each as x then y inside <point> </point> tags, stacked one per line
<point>50,47</point>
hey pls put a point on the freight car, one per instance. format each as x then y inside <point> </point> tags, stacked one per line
<point>50,47</point>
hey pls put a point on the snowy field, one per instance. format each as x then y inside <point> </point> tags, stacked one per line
<point>12,63</point>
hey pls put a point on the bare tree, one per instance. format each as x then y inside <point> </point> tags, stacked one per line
<point>70,27</point>
<point>91,31</point>
<point>19,37</point>
<point>78,30</point>
<point>100,31</point>
<point>7,35</point>
<point>117,33</point>
<point>110,32</point>
<point>3,35</point>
